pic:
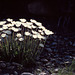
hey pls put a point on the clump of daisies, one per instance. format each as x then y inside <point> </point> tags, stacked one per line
<point>22,41</point>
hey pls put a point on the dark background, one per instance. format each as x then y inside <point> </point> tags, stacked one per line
<point>46,11</point>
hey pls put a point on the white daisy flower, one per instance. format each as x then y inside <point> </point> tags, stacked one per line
<point>16,30</point>
<point>10,25</point>
<point>1,29</point>
<point>9,20</point>
<point>10,28</point>
<point>13,22</point>
<point>38,24</point>
<point>27,33</point>
<point>3,35</point>
<point>34,36</point>
<point>19,29</point>
<point>21,39</point>
<point>22,20</point>
<point>41,45</point>
<point>48,32</point>
<point>7,32</point>
<point>29,23</point>
<point>34,26</point>
<point>29,27</point>
<point>42,33</point>
<point>13,28</point>
<point>33,21</point>
<point>42,27</point>
<point>41,37</point>
<point>18,25</point>
<point>24,24</point>
<point>34,32</point>
<point>30,35</point>
<point>18,35</point>
<point>18,22</point>
<point>5,27</point>
<point>44,38</point>
<point>2,22</point>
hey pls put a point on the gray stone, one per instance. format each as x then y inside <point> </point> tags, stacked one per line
<point>6,74</point>
<point>53,74</point>
<point>55,36</point>
<point>70,42</point>
<point>16,64</point>
<point>3,65</point>
<point>65,38</point>
<point>38,63</point>
<point>44,60</point>
<point>48,64</point>
<point>56,70</point>
<point>47,45</point>
<point>8,64</point>
<point>49,49</point>
<point>74,58</point>
<point>15,73</point>
<point>27,73</point>
<point>67,62</point>
<point>54,43</point>
<point>73,44</point>
<point>43,73</point>
<point>11,67</point>
<point>38,70</point>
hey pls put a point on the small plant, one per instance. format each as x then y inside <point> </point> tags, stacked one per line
<point>68,70</point>
<point>22,41</point>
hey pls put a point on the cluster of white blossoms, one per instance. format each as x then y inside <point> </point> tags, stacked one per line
<point>22,28</point>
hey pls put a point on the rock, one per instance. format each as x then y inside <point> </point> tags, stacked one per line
<point>47,46</point>
<point>3,65</point>
<point>53,47</point>
<point>44,60</point>
<point>6,74</point>
<point>27,73</point>
<point>49,49</point>
<point>38,70</point>
<point>70,42</point>
<point>53,74</point>
<point>48,64</point>
<point>74,44</point>
<point>67,62</point>
<point>38,63</point>
<point>8,64</point>
<point>48,42</point>
<point>11,67</point>
<point>65,38</point>
<point>56,70</point>
<point>55,36</point>
<point>54,43</point>
<point>74,58</point>
<point>15,73</point>
<point>16,64</point>
<point>55,50</point>
<point>43,73</point>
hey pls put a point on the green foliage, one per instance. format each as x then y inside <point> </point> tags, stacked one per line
<point>68,70</point>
